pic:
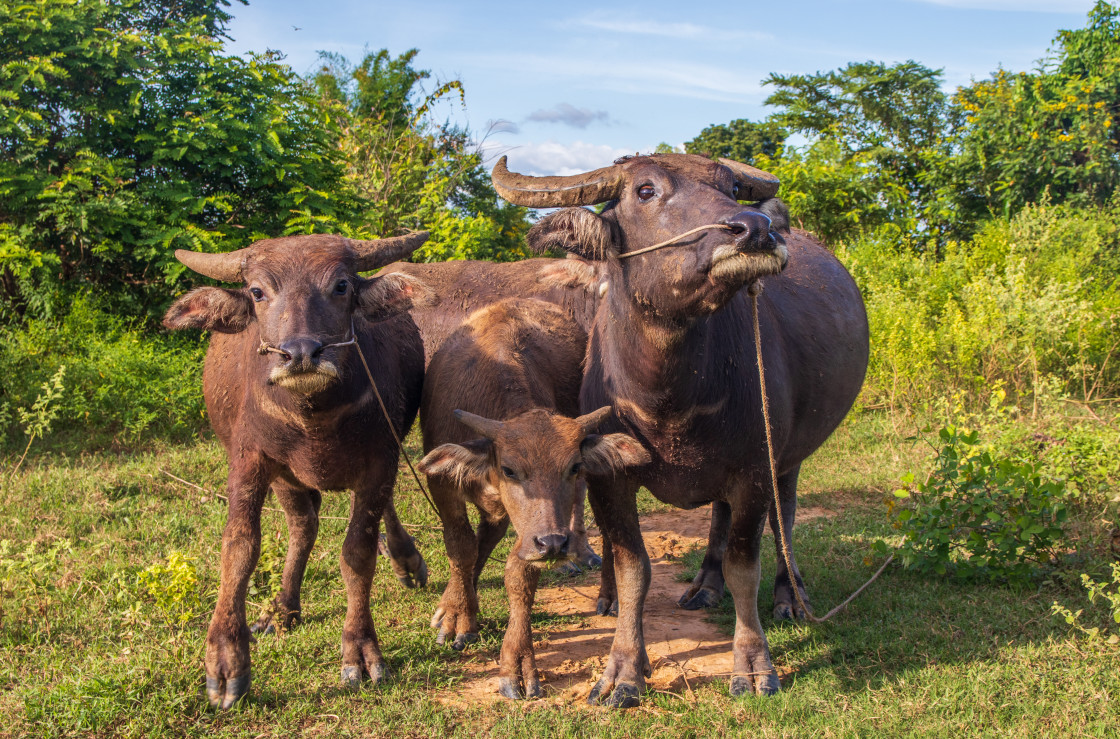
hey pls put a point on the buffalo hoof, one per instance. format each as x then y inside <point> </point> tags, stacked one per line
<point>696,598</point>
<point>569,568</point>
<point>412,570</point>
<point>624,695</point>
<point>222,694</point>
<point>755,684</point>
<point>605,607</point>
<point>510,688</point>
<point>352,675</point>
<point>788,612</point>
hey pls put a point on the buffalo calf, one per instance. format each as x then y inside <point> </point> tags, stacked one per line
<point>289,399</point>
<point>497,410</point>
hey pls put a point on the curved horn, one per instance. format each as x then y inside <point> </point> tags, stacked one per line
<point>485,426</point>
<point>224,267</point>
<point>375,253</point>
<point>589,188</point>
<point>757,185</point>
<point>594,419</point>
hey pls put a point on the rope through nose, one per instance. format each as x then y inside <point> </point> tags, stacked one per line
<point>265,347</point>
<point>675,239</point>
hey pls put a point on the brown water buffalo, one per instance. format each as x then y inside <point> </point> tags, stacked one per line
<point>672,350</point>
<point>291,403</point>
<point>574,285</point>
<point>497,417</point>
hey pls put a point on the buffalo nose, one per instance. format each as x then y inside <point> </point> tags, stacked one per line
<point>751,231</point>
<point>552,546</point>
<point>301,353</point>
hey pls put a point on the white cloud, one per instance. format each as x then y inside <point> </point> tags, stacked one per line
<point>552,157</point>
<point>1035,6</point>
<point>569,115</point>
<point>659,77</point>
<point>618,23</point>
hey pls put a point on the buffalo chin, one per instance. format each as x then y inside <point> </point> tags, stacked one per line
<point>743,268</point>
<point>305,383</point>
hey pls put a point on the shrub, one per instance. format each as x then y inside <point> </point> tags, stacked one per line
<point>979,515</point>
<point>1105,593</point>
<point>122,385</point>
<point>173,586</point>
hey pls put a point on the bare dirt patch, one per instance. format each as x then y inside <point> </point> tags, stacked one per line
<point>685,649</point>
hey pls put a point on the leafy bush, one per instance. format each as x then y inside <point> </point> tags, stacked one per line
<point>978,515</point>
<point>123,385</point>
<point>1105,593</point>
<point>173,586</point>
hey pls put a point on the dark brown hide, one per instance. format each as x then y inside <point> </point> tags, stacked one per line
<point>497,411</point>
<point>301,418</point>
<point>672,350</point>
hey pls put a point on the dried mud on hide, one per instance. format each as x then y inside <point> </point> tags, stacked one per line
<point>685,649</point>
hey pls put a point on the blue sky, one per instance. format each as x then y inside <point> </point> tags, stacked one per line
<point>567,86</point>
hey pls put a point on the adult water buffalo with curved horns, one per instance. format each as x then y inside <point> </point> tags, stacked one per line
<point>290,400</point>
<point>672,350</point>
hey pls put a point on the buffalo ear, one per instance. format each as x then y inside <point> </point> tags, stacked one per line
<point>211,308</point>
<point>610,454</point>
<point>575,230</point>
<point>384,296</point>
<point>778,213</point>
<point>462,463</point>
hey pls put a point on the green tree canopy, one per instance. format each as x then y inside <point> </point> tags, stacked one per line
<point>126,132</point>
<point>741,140</point>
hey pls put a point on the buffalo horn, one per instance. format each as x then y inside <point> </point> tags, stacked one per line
<point>754,184</point>
<point>376,253</point>
<point>589,188</point>
<point>485,426</point>
<point>224,267</point>
<point>592,420</point>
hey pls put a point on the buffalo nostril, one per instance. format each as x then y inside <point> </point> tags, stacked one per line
<point>736,228</point>
<point>552,545</point>
<point>315,354</point>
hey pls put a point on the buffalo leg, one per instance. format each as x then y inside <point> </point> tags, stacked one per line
<point>754,672</point>
<point>301,513</point>
<point>361,654</point>
<point>614,502</point>
<point>228,674</point>
<point>785,605</point>
<point>405,559</point>
<point>489,534</point>
<point>706,590</point>
<point>607,602</point>
<point>456,617</point>
<point>581,552</point>
<point>518,677</point>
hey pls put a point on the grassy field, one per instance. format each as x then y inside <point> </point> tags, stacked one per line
<point>90,646</point>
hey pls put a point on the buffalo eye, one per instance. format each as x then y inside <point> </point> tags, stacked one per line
<point>645,192</point>
<point>575,470</point>
<point>257,293</point>
<point>509,473</point>
<point>735,191</point>
<point>341,287</point>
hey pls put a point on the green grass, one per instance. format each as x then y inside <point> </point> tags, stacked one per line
<point>84,650</point>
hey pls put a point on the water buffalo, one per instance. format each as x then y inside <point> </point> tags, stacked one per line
<point>291,403</point>
<point>573,285</point>
<point>672,350</point>
<point>510,375</point>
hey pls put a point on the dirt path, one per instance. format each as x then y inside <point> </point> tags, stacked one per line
<point>682,644</point>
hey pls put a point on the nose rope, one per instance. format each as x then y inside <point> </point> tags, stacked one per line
<point>753,290</point>
<point>265,347</point>
<point>675,239</point>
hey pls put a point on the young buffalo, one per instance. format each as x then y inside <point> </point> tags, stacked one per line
<point>291,403</point>
<point>511,375</point>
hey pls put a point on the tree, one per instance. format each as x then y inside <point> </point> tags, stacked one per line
<point>408,171</point>
<point>126,132</point>
<point>886,125</point>
<point>741,140</point>
<point>1047,133</point>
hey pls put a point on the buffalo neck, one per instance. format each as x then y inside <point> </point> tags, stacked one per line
<point>667,367</point>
